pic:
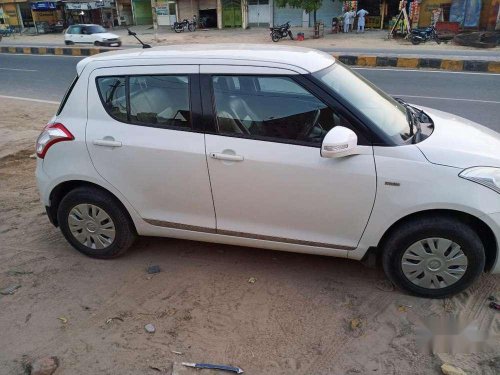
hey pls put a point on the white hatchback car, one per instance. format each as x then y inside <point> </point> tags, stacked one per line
<point>91,34</point>
<point>271,147</point>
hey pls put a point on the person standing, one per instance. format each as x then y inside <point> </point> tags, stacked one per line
<point>346,17</point>
<point>351,19</point>
<point>361,20</point>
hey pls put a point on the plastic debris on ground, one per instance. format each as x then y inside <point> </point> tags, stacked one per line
<point>153,269</point>
<point>150,328</point>
<point>10,289</point>
<point>211,366</point>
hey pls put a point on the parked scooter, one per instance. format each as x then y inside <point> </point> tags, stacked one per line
<point>281,32</point>
<point>423,35</point>
<point>184,25</point>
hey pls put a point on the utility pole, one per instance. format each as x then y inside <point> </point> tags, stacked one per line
<point>155,19</point>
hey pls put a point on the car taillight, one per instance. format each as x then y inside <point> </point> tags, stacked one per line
<point>50,135</point>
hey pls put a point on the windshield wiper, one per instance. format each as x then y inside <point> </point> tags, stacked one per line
<point>410,117</point>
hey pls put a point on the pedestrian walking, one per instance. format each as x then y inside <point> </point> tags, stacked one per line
<point>346,18</point>
<point>361,20</point>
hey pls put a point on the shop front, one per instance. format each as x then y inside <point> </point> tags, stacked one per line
<point>47,16</point>
<point>10,15</point>
<point>381,13</point>
<point>95,12</point>
<point>166,13</point>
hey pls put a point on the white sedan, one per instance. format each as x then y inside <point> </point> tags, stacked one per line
<point>271,147</point>
<point>91,34</point>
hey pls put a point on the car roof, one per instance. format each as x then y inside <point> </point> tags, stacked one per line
<point>305,59</point>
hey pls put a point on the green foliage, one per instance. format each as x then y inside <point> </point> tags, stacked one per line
<point>309,6</point>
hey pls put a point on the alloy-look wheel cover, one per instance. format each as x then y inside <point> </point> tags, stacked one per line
<point>91,226</point>
<point>434,263</point>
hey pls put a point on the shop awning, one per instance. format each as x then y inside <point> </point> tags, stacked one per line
<point>44,5</point>
<point>87,5</point>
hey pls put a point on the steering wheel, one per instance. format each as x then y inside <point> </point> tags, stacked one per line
<point>303,134</point>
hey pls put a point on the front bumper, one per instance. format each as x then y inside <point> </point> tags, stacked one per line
<point>111,43</point>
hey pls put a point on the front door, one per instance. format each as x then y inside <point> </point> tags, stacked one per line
<point>231,13</point>
<point>268,179</point>
<point>146,145</point>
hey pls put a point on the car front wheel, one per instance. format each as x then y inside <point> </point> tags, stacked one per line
<point>433,257</point>
<point>95,223</point>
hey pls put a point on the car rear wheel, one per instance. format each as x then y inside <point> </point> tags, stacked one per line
<point>97,43</point>
<point>68,42</point>
<point>433,257</point>
<point>95,224</point>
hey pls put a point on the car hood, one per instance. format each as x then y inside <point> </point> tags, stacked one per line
<point>107,35</point>
<point>461,143</point>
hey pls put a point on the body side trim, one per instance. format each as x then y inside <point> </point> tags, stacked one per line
<point>244,235</point>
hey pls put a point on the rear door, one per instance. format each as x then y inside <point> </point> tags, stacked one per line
<point>143,137</point>
<point>268,179</point>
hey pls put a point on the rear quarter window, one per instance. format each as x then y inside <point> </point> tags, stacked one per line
<point>66,96</point>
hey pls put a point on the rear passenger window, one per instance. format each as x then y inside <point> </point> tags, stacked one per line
<point>159,100</point>
<point>152,100</point>
<point>113,96</point>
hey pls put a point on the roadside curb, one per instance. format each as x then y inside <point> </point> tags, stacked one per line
<point>455,65</point>
<point>450,64</point>
<point>57,51</point>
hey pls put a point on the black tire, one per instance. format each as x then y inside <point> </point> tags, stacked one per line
<point>97,44</point>
<point>178,28</point>
<point>275,37</point>
<point>125,233</point>
<point>192,27</point>
<point>415,40</point>
<point>407,234</point>
<point>68,42</point>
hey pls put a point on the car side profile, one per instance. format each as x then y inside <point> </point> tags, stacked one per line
<point>270,147</point>
<point>91,34</point>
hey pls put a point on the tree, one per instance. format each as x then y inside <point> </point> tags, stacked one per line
<point>308,5</point>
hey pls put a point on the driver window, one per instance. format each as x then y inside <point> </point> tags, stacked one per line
<point>271,108</point>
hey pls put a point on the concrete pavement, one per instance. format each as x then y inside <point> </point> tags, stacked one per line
<point>471,95</point>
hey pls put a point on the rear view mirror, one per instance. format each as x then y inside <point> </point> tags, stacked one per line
<point>338,142</point>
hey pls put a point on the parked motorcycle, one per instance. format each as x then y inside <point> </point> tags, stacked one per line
<point>281,32</point>
<point>184,25</point>
<point>423,35</point>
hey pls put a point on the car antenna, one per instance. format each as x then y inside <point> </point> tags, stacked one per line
<point>134,34</point>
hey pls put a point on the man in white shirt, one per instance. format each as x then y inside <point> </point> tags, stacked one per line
<point>361,20</point>
<point>351,19</point>
<point>346,17</point>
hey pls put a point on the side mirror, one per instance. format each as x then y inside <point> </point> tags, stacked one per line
<point>338,142</point>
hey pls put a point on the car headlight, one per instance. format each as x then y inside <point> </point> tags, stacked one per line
<point>486,176</point>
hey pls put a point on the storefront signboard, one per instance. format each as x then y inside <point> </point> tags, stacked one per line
<point>89,5</point>
<point>43,5</point>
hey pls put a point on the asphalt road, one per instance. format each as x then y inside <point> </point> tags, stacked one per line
<point>475,96</point>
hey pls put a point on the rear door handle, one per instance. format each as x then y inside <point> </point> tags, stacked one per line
<point>107,143</point>
<point>229,157</point>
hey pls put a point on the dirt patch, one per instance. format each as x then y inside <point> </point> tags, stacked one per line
<point>301,314</point>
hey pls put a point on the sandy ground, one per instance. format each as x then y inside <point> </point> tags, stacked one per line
<point>295,319</point>
<point>372,39</point>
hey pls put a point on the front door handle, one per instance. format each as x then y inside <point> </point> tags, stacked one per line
<point>107,143</point>
<point>228,157</point>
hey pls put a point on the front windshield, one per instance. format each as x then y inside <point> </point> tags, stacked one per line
<point>95,29</point>
<point>385,112</point>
